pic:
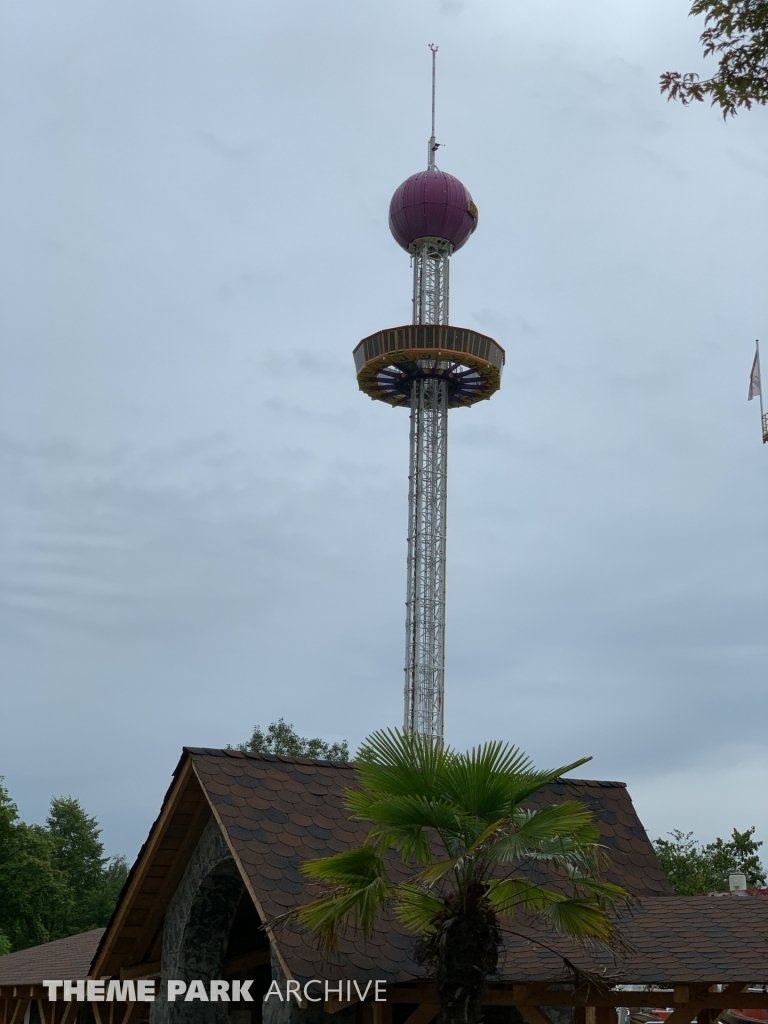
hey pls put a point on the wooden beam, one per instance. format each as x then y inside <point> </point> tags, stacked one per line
<point>337,1005</point>
<point>153,842</point>
<point>684,1014</point>
<point>534,1015</point>
<point>682,997</point>
<point>522,995</point>
<point>70,1011</point>
<point>421,993</point>
<point>131,1012</point>
<point>382,1013</point>
<point>745,1001</point>
<point>246,961</point>
<point>604,1015</point>
<point>150,969</point>
<point>168,879</point>
<point>423,1014</point>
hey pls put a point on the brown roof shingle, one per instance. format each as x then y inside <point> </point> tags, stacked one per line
<point>278,812</point>
<point>63,958</point>
<point>676,940</point>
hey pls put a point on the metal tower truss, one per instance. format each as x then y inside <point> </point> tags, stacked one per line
<point>431,262</point>
<point>425,600</point>
<point>430,367</point>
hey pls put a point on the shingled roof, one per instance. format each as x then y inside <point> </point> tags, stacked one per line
<point>279,811</point>
<point>63,958</point>
<point>276,812</point>
<point>689,940</point>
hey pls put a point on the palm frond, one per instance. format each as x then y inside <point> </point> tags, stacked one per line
<point>557,830</point>
<point>569,854</point>
<point>420,811</point>
<point>355,867</point>
<point>509,896</point>
<point>416,794</point>
<point>358,890</point>
<point>393,762</point>
<point>477,780</point>
<point>345,908</point>
<point>439,869</point>
<point>519,788</point>
<point>413,844</point>
<point>580,918</point>
<point>490,781</point>
<point>416,907</point>
<point>606,894</point>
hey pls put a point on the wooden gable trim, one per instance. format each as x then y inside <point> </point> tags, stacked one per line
<point>155,876</point>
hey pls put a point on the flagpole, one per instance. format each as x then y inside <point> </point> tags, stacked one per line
<point>763,418</point>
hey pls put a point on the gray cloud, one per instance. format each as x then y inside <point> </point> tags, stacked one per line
<point>204,520</point>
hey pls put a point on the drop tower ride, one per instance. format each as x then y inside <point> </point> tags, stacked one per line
<point>428,367</point>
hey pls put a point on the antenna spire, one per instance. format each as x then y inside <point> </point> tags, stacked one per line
<point>433,146</point>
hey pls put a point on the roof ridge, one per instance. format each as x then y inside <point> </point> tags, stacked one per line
<point>326,763</point>
<point>592,782</point>
<point>232,752</point>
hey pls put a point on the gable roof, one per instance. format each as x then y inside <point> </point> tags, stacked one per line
<point>276,812</point>
<point>62,958</point>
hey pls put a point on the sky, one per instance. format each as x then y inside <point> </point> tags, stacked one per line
<point>203,520</point>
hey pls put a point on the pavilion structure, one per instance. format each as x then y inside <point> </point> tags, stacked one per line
<point>221,863</point>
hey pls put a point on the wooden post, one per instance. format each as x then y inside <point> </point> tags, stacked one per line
<point>534,1015</point>
<point>605,1015</point>
<point>423,1014</point>
<point>383,1012</point>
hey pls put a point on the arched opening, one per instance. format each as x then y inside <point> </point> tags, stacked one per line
<point>212,931</point>
<point>204,940</point>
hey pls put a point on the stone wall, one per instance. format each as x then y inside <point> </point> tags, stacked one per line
<point>196,929</point>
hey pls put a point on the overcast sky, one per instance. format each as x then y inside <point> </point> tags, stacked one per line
<point>203,520</point>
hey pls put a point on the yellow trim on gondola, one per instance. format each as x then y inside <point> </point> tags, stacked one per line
<point>427,343</point>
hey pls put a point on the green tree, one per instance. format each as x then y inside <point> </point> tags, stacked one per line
<point>459,823</point>
<point>31,887</point>
<point>693,869</point>
<point>113,878</point>
<point>737,33</point>
<point>93,881</point>
<point>54,879</point>
<point>282,738</point>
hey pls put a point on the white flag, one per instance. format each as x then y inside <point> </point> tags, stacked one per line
<point>754,379</point>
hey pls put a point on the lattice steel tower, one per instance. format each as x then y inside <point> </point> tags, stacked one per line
<point>428,367</point>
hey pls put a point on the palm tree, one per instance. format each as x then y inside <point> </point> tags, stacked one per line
<point>465,839</point>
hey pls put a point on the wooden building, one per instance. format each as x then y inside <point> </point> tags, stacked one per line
<point>222,859</point>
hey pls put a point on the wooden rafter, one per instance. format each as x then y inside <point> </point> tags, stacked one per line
<point>156,875</point>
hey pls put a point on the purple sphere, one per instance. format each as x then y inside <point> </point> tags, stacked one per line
<point>432,204</point>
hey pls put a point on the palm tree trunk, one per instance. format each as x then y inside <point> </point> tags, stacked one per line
<point>462,952</point>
